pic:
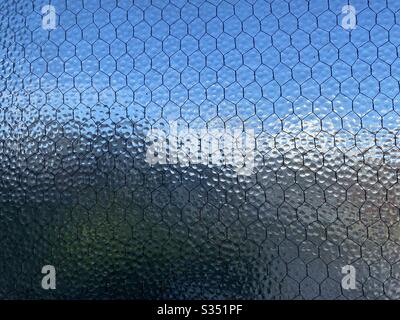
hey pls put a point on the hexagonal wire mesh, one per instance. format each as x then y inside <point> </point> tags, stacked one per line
<point>88,87</point>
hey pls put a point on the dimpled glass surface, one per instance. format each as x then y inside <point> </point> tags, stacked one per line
<point>76,191</point>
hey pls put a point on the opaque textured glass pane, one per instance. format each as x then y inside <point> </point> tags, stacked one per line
<point>199,149</point>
